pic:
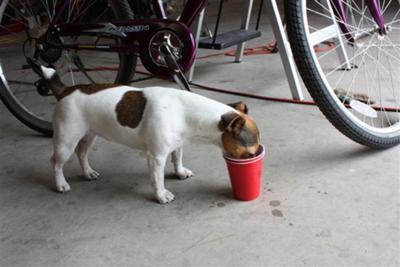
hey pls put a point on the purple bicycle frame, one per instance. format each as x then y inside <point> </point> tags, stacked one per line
<point>187,17</point>
<point>339,10</point>
<point>193,8</point>
<point>180,28</point>
<point>136,41</point>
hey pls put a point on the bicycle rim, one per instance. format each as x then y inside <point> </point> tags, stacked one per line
<point>361,95</point>
<point>22,24</point>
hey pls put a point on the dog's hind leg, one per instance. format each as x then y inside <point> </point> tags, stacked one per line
<point>65,140</point>
<point>180,171</point>
<point>82,151</point>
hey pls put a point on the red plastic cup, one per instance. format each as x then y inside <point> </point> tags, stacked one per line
<point>245,175</point>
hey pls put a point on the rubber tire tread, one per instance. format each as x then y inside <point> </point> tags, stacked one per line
<point>125,75</point>
<point>127,68</point>
<point>316,87</point>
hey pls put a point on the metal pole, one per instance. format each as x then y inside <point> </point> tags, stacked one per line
<point>197,31</point>
<point>284,49</point>
<point>245,26</point>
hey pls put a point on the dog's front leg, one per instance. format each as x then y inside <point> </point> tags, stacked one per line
<point>180,171</point>
<point>156,168</point>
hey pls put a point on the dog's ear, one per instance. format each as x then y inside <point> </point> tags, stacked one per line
<point>240,106</point>
<point>231,122</point>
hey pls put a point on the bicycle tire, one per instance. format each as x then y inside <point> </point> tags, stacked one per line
<point>126,71</point>
<point>314,82</point>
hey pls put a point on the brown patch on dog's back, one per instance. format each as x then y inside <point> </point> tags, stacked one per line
<point>130,108</point>
<point>87,89</point>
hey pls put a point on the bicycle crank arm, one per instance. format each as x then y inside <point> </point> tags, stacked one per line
<point>173,67</point>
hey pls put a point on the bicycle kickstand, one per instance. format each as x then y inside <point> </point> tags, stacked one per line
<point>176,72</point>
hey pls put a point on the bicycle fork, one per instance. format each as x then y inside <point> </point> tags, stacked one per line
<point>374,9</point>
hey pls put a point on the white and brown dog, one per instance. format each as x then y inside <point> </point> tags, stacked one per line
<point>156,120</point>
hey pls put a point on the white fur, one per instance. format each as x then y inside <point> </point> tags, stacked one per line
<point>170,118</point>
<point>47,72</point>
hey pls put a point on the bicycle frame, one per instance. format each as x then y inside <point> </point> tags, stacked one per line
<point>137,34</point>
<point>193,8</point>
<point>189,14</point>
<point>339,10</point>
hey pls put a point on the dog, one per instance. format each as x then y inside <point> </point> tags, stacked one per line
<point>155,120</point>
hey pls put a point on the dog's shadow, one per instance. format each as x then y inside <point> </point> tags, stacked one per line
<point>122,186</point>
<point>202,191</point>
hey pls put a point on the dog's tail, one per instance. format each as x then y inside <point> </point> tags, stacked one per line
<point>53,81</point>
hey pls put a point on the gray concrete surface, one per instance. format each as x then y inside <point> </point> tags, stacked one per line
<point>326,201</point>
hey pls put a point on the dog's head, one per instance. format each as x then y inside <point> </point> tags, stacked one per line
<point>240,137</point>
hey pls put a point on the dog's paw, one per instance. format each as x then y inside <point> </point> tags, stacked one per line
<point>165,196</point>
<point>63,187</point>
<point>184,173</point>
<point>92,175</point>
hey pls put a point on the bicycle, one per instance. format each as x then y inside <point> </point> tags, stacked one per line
<point>361,108</point>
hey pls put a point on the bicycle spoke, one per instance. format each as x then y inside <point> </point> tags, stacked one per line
<point>24,33</point>
<point>374,55</point>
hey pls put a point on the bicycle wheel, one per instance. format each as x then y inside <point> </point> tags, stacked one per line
<point>23,23</point>
<point>359,96</point>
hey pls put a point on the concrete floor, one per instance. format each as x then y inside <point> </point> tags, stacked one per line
<point>326,201</point>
